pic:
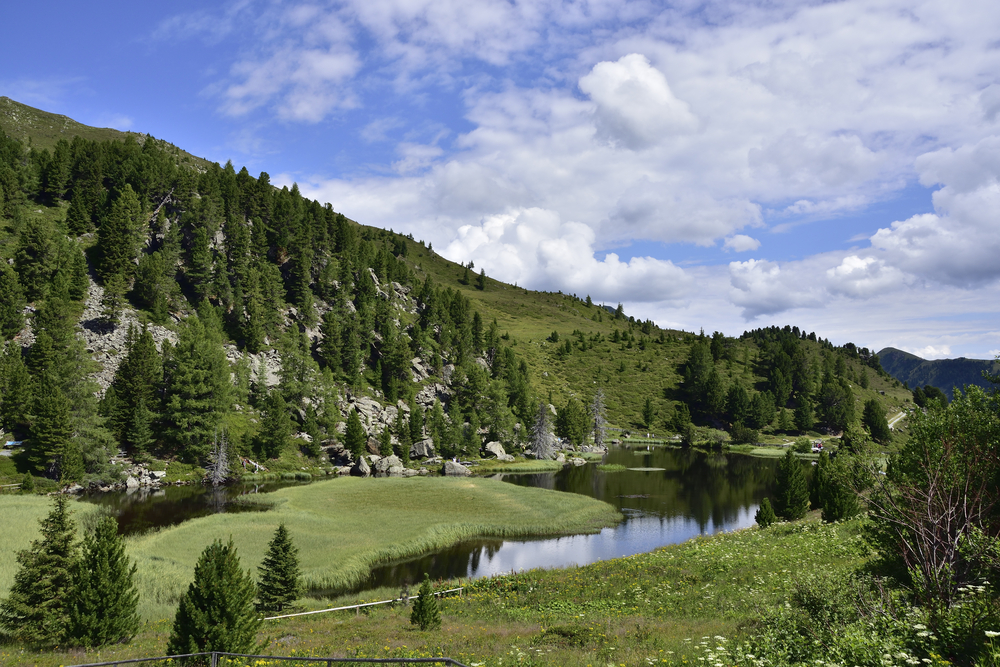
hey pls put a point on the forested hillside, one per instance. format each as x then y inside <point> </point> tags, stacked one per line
<point>945,374</point>
<point>156,304</point>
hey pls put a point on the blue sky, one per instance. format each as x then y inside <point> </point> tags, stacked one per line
<point>722,165</point>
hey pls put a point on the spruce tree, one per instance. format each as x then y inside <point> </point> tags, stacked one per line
<point>105,598</point>
<point>37,610</point>
<point>875,421</point>
<point>276,426</point>
<point>16,390</point>
<point>791,493</point>
<point>385,442</point>
<point>765,514</point>
<point>216,613</point>
<point>121,234</point>
<point>425,611</point>
<point>354,437</point>
<point>11,303</point>
<point>279,584</point>
<point>51,429</point>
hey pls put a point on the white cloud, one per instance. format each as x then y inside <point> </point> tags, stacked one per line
<point>741,243</point>
<point>635,106</point>
<point>533,246</point>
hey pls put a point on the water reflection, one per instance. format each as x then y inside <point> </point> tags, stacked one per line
<point>692,493</point>
<point>142,509</point>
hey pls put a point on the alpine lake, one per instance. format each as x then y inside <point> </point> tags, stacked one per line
<point>667,495</point>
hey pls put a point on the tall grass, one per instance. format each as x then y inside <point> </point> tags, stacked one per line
<point>19,517</point>
<point>345,526</point>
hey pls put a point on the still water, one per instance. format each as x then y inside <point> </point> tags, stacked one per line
<point>667,496</point>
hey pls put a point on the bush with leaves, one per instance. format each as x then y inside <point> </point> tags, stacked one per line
<point>217,611</point>
<point>425,611</point>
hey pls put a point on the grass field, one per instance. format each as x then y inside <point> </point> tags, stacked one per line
<point>669,606</point>
<point>342,528</point>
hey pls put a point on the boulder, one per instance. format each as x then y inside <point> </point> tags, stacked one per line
<point>158,474</point>
<point>390,465</point>
<point>506,457</point>
<point>361,468</point>
<point>422,449</point>
<point>131,482</point>
<point>494,448</point>
<point>577,461</point>
<point>453,469</point>
<point>560,458</point>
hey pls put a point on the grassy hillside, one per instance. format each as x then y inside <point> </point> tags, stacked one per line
<point>45,129</point>
<point>945,374</point>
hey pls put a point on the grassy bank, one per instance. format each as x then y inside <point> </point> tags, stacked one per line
<point>344,526</point>
<point>668,606</point>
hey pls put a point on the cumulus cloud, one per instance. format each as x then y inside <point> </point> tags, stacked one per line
<point>741,243</point>
<point>635,106</point>
<point>533,246</point>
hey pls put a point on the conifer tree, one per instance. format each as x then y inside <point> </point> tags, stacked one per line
<point>425,611</point>
<point>791,489</point>
<point>385,442</point>
<point>35,257</point>
<point>37,610</point>
<point>216,613</point>
<point>765,514</point>
<point>481,280</point>
<point>11,303</point>
<point>416,422</point>
<point>875,421</point>
<point>131,403</point>
<point>105,598</point>
<point>51,429</point>
<point>354,436</point>
<point>16,391</point>
<point>113,298</point>
<point>402,428</point>
<point>279,584</point>
<point>276,426</point>
<point>121,234</point>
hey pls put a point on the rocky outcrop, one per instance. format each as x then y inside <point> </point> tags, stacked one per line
<point>390,465</point>
<point>361,468</point>
<point>105,342</point>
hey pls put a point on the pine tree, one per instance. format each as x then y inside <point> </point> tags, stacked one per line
<point>804,419</point>
<point>385,442</point>
<point>542,440</point>
<point>276,426</point>
<point>16,391</point>
<point>11,303</point>
<point>113,299</point>
<point>765,514</point>
<point>425,611</point>
<point>121,234</point>
<point>105,598</point>
<point>279,584</point>
<point>37,610</point>
<point>648,412</point>
<point>35,257</point>
<point>481,280</point>
<point>51,429</point>
<point>354,437</point>
<point>217,611</point>
<point>875,421</point>
<point>791,489</point>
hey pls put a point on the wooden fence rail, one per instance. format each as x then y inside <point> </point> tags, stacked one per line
<point>358,606</point>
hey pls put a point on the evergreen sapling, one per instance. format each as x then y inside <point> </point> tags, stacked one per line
<point>279,584</point>
<point>425,610</point>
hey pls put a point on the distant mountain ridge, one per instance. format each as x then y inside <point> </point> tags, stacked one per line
<point>945,374</point>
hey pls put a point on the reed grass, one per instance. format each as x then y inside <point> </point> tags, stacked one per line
<point>493,466</point>
<point>611,467</point>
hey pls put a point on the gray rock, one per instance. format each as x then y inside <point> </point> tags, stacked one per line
<point>422,449</point>
<point>494,448</point>
<point>387,464</point>
<point>361,468</point>
<point>453,469</point>
<point>506,457</point>
<point>560,458</point>
<point>158,474</point>
<point>132,482</point>
<point>577,461</point>
<point>409,472</point>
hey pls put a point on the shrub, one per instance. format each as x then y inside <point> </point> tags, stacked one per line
<point>425,610</point>
<point>765,514</point>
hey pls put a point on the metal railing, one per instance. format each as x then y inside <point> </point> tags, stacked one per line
<point>215,655</point>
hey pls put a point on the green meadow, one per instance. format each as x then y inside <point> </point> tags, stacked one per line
<point>671,606</point>
<point>342,528</point>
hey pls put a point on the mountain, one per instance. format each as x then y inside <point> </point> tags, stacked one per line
<point>45,129</point>
<point>271,318</point>
<point>945,374</point>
